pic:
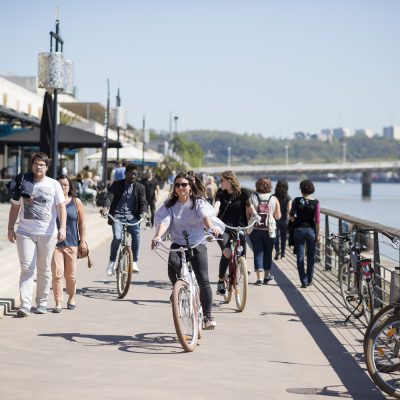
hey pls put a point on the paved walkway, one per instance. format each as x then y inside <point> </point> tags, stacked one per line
<point>289,343</point>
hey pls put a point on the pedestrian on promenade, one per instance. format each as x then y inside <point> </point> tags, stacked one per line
<point>126,201</point>
<point>63,263</point>
<point>152,191</point>
<point>305,215</point>
<point>234,208</point>
<point>186,210</point>
<point>37,200</point>
<point>285,203</point>
<point>263,235</point>
<point>119,172</point>
<point>211,189</point>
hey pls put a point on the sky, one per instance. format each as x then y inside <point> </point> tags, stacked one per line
<point>248,66</point>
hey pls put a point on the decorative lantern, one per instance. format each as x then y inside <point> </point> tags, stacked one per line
<point>51,71</point>
<point>68,77</point>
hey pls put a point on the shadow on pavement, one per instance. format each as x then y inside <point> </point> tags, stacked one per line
<point>144,343</point>
<point>355,380</point>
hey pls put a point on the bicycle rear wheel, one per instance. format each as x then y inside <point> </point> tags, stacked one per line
<point>241,284</point>
<point>124,271</point>
<point>349,289</point>
<point>367,297</point>
<point>379,318</point>
<point>382,356</point>
<point>185,319</point>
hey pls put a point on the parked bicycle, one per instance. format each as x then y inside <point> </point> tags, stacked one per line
<point>124,260</point>
<point>236,279</point>
<point>187,311</point>
<point>356,275</point>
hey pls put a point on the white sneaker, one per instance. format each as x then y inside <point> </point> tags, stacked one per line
<point>111,268</point>
<point>135,267</point>
<point>209,323</point>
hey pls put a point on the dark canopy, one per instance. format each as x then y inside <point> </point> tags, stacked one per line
<point>69,137</point>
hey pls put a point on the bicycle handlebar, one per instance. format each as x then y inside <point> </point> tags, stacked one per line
<point>209,238</point>
<point>116,220</point>
<point>239,228</point>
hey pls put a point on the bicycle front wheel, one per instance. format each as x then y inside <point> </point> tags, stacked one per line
<point>241,284</point>
<point>185,318</point>
<point>349,289</point>
<point>124,271</point>
<point>382,356</point>
<point>367,297</point>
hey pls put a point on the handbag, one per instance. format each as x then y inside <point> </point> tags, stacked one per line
<point>81,254</point>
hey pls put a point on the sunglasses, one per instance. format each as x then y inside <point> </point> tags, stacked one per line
<point>178,185</point>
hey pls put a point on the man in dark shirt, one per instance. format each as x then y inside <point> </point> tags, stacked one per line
<point>152,190</point>
<point>126,201</point>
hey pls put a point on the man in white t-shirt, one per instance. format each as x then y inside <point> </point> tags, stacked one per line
<point>37,200</point>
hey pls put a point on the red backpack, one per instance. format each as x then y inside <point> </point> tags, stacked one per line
<point>263,211</point>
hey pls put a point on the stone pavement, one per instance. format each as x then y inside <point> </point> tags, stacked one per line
<point>289,343</point>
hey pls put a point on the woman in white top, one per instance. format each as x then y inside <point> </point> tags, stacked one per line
<point>263,235</point>
<point>186,210</point>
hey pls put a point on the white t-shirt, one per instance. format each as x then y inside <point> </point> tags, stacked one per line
<point>181,216</point>
<point>38,213</point>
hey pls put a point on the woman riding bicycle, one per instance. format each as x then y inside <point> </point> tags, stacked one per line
<point>232,203</point>
<point>186,210</point>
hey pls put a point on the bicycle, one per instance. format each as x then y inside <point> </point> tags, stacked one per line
<point>356,276</point>
<point>124,259</point>
<point>187,311</point>
<point>236,279</point>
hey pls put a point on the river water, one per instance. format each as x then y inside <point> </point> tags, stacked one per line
<point>383,206</point>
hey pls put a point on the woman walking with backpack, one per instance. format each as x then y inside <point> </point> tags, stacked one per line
<point>263,235</point>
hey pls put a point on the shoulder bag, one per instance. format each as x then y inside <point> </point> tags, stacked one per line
<point>80,253</point>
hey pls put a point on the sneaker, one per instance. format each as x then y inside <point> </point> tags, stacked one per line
<point>283,255</point>
<point>268,278</point>
<point>41,310</point>
<point>135,267</point>
<point>221,288</point>
<point>209,323</point>
<point>276,256</point>
<point>23,312</point>
<point>258,282</point>
<point>111,268</point>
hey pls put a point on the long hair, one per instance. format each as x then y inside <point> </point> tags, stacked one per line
<point>195,193</point>
<point>231,177</point>
<point>71,192</point>
<point>281,189</point>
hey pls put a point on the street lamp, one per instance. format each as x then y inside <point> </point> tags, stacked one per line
<point>105,140</point>
<point>55,75</point>
<point>229,155</point>
<point>344,148</point>
<point>286,154</point>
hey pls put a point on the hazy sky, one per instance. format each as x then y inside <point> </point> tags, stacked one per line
<point>256,66</point>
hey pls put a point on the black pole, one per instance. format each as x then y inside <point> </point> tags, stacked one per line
<point>105,141</point>
<point>54,148</point>
<point>118,111</point>
<point>144,127</point>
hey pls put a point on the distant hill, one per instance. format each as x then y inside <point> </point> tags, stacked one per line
<point>256,149</point>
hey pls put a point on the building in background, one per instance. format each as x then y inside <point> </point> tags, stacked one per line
<point>391,132</point>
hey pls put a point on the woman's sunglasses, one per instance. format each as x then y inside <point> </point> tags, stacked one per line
<point>178,185</point>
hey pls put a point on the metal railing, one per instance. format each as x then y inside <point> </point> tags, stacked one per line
<point>379,247</point>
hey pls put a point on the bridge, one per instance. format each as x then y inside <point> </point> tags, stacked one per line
<point>365,168</point>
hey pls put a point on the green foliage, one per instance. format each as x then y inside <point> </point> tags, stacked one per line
<point>167,166</point>
<point>191,152</point>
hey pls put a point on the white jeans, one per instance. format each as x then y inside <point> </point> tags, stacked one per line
<point>32,250</point>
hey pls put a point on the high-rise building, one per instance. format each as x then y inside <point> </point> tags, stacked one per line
<point>341,133</point>
<point>364,131</point>
<point>391,132</point>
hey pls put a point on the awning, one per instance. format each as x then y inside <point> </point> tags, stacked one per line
<point>68,138</point>
<point>12,117</point>
<point>130,153</point>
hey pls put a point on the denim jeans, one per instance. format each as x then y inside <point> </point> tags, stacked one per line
<point>301,237</point>
<point>281,237</point>
<point>262,249</point>
<point>117,237</point>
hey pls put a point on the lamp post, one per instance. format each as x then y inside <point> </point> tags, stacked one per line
<point>105,141</point>
<point>229,155</point>
<point>144,142</point>
<point>344,150</point>
<point>118,102</point>
<point>286,154</point>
